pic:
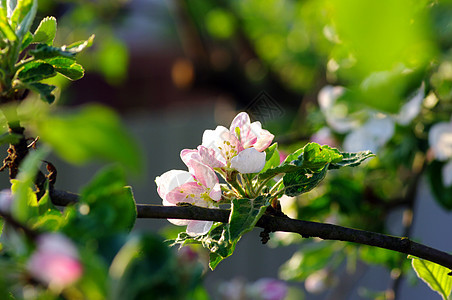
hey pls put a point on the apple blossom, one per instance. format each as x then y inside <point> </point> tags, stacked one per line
<point>199,187</point>
<point>55,261</point>
<point>242,135</point>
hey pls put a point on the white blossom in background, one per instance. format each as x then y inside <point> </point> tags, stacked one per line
<point>371,136</point>
<point>412,108</point>
<point>365,129</point>
<point>336,115</point>
<point>440,140</point>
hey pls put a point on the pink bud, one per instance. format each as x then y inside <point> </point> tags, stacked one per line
<point>55,261</point>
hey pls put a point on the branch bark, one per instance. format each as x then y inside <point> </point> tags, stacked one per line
<point>274,223</point>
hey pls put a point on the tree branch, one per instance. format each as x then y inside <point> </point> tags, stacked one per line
<point>273,223</point>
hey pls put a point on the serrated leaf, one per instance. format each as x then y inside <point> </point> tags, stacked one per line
<point>36,71</point>
<point>45,33</point>
<point>93,132</point>
<point>434,275</point>
<point>244,215</point>
<point>45,90</point>
<point>44,51</point>
<point>316,156</point>
<point>311,156</point>
<point>351,159</point>
<point>67,67</point>
<point>302,181</point>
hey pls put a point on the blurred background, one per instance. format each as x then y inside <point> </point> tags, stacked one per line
<point>356,75</point>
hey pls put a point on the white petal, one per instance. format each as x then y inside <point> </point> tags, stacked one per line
<point>412,108</point>
<point>374,134</point>
<point>248,161</point>
<point>336,115</point>
<point>199,227</point>
<point>170,180</point>
<point>440,139</point>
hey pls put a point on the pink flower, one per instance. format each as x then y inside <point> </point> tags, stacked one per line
<point>269,289</point>
<point>199,187</point>
<point>55,261</point>
<point>241,147</point>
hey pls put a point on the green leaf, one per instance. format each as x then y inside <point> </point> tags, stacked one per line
<point>51,220</point>
<point>108,189</point>
<point>311,156</point>
<point>80,45</point>
<point>244,215</point>
<point>23,16</point>
<point>45,90</point>
<point>9,138</point>
<point>315,157</point>
<point>94,132</point>
<point>66,67</point>
<point>351,159</point>
<point>434,275</point>
<point>45,33</point>
<point>272,158</point>
<point>25,204</point>
<point>43,51</point>
<point>26,41</point>
<point>302,181</point>
<point>36,71</point>
<point>5,28</point>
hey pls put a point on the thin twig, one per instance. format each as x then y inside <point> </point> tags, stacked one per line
<point>273,223</point>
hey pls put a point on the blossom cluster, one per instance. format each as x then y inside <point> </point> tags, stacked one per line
<point>227,152</point>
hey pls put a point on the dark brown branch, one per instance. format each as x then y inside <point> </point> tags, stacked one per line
<point>273,223</point>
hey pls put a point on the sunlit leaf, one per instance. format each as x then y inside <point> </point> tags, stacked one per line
<point>67,67</point>
<point>45,33</point>
<point>434,275</point>
<point>36,71</point>
<point>23,16</point>
<point>44,51</point>
<point>244,215</point>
